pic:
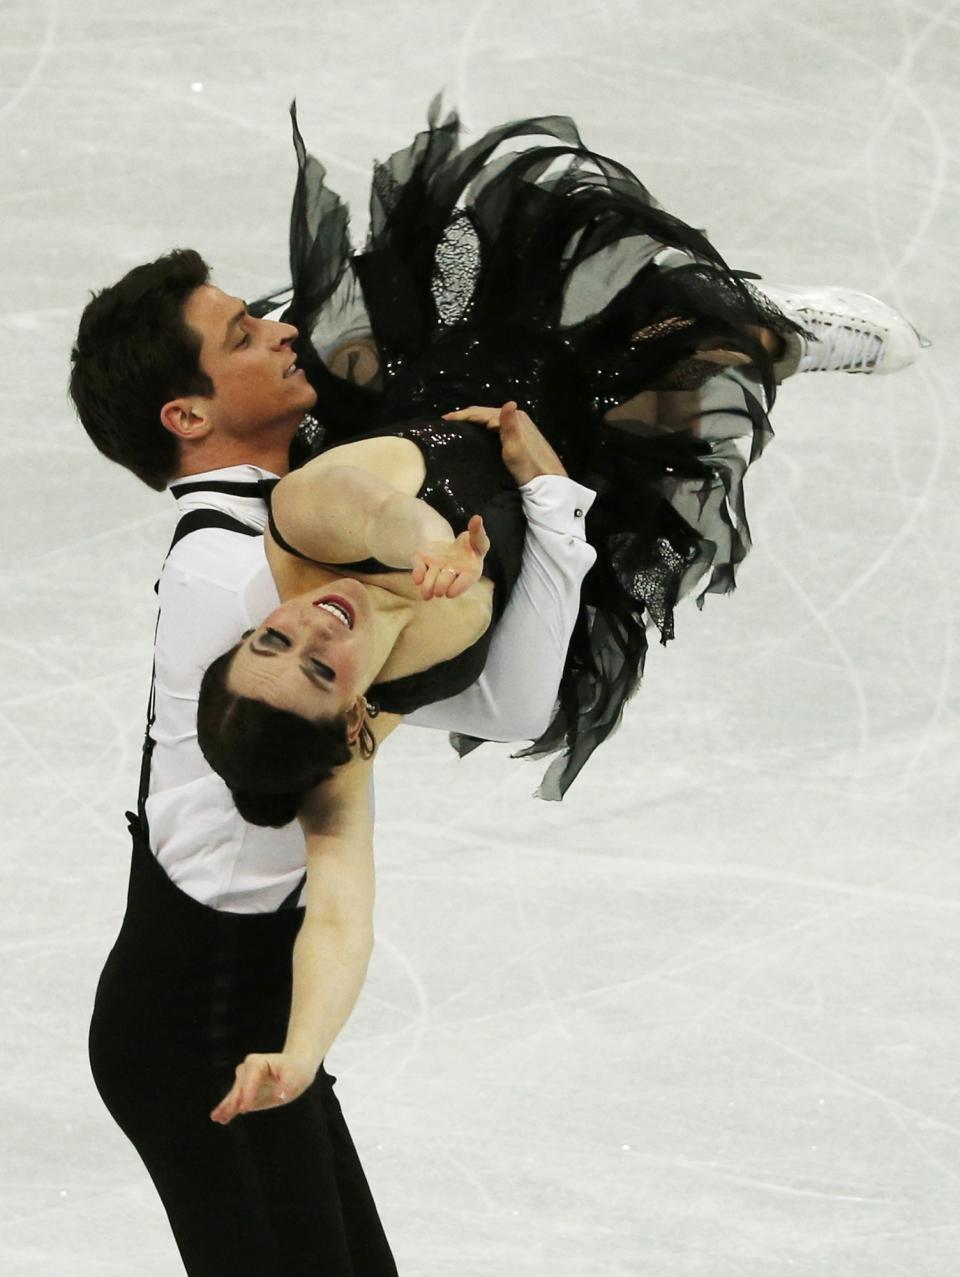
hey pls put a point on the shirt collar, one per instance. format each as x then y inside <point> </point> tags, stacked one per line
<point>249,507</point>
<point>226,474</point>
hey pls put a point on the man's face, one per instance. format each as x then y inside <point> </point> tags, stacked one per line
<point>257,385</point>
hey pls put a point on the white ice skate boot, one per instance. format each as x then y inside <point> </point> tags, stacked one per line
<point>850,332</point>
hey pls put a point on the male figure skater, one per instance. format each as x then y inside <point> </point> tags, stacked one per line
<point>177,381</point>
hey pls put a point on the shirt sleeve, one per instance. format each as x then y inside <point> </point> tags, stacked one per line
<point>515,696</point>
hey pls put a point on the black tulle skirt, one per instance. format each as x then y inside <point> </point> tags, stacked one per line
<point>494,273</point>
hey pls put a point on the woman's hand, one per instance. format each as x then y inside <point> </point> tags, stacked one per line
<point>446,569</point>
<point>525,451</point>
<point>264,1082</point>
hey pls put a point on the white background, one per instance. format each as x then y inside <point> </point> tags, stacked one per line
<point>701,1018</point>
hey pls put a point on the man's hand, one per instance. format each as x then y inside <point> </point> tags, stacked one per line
<point>446,569</point>
<point>264,1082</point>
<point>526,453</point>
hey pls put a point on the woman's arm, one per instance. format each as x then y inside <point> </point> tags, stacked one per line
<point>345,513</point>
<point>335,942</point>
<point>333,947</point>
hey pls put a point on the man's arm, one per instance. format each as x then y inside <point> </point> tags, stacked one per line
<point>515,696</point>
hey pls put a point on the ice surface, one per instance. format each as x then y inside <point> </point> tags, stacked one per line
<point>702,1017</point>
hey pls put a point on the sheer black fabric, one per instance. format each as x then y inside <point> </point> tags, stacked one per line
<point>485,277</point>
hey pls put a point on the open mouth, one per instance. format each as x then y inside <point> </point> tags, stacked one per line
<point>339,607</point>
<point>291,371</point>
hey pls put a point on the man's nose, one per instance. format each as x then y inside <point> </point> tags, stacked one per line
<point>284,334</point>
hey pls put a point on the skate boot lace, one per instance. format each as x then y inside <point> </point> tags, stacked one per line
<point>839,345</point>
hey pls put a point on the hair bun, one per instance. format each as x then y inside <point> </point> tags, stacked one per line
<point>272,810</point>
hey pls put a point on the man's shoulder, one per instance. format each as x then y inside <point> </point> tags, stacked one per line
<point>221,516</point>
<point>213,586</point>
<point>217,555</point>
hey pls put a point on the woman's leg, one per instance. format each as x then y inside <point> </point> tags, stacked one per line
<point>681,409</point>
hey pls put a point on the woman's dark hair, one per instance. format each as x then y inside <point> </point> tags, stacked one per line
<point>270,758</point>
<point>133,354</point>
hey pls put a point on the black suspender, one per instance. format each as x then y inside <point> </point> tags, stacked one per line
<point>233,488</point>
<point>192,521</point>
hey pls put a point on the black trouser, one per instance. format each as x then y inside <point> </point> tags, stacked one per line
<point>186,993</point>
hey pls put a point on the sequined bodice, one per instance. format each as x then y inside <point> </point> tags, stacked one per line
<point>464,476</point>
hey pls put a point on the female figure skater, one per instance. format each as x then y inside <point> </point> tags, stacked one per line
<point>549,277</point>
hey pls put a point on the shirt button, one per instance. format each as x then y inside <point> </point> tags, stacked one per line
<point>578,514</point>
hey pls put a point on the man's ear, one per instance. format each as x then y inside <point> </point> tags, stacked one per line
<point>186,418</point>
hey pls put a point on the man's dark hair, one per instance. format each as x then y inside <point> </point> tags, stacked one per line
<point>133,354</point>
<point>270,758</point>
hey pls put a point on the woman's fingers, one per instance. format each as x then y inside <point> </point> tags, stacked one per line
<point>262,1082</point>
<point>258,1076</point>
<point>249,1075</point>
<point>257,1085</point>
<point>229,1106</point>
<point>446,569</point>
<point>429,582</point>
<point>477,533</point>
<point>226,1109</point>
<point>444,581</point>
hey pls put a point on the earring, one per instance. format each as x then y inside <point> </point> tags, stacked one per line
<point>366,741</point>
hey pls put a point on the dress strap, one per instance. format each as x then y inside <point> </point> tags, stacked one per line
<point>281,541</point>
<point>362,565</point>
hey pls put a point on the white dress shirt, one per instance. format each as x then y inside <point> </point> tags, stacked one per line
<point>216,584</point>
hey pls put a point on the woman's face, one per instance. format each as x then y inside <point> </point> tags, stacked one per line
<point>313,655</point>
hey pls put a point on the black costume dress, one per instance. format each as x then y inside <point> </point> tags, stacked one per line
<point>465,277</point>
